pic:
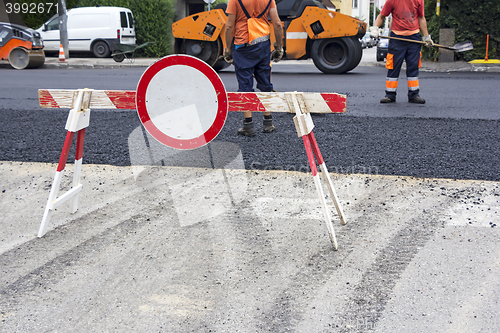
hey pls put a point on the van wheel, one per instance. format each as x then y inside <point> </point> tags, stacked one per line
<point>101,49</point>
<point>333,55</point>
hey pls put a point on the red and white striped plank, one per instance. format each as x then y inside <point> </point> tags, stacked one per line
<point>100,99</point>
<point>277,102</point>
<point>238,101</point>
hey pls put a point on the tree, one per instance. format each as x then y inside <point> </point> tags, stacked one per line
<point>472,20</point>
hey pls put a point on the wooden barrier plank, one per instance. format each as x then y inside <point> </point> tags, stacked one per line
<point>237,101</point>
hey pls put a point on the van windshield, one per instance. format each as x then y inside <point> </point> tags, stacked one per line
<point>53,23</point>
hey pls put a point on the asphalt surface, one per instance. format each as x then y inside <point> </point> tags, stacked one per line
<point>421,147</point>
<point>215,241</point>
<point>398,139</point>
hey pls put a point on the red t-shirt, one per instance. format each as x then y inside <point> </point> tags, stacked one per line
<point>405,14</point>
<point>254,8</point>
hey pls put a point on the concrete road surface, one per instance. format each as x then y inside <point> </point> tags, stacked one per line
<point>165,249</point>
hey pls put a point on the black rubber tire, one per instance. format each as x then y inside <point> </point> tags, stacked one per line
<point>220,65</point>
<point>222,6</point>
<point>209,52</point>
<point>357,50</point>
<point>333,55</point>
<point>119,57</point>
<point>101,49</point>
<point>37,58</point>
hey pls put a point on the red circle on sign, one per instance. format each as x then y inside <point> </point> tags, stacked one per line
<point>209,73</point>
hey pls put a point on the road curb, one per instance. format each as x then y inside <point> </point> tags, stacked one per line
<point>452,67</point>
<point>94,63</point>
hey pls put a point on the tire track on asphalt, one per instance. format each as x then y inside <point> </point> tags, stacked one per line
<point>335,289</point>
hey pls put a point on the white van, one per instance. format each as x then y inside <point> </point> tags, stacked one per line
<point>94,29</point>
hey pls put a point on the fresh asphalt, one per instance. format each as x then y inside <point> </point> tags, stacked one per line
<point>221,247</point>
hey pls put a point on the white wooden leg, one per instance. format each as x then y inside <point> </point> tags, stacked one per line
<point>50,203</point>
<point>326,212</point>
<point>333,194</point>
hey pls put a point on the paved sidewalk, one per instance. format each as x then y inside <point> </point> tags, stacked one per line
<point>368,59</point>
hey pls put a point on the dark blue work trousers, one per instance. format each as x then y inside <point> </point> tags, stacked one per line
<point>253,61</point>
<point>398,52</point>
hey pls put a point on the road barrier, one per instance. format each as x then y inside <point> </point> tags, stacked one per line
<point>237,101</point>
<point>151,105</point>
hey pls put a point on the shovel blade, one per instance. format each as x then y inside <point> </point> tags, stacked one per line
<point>463,46</point>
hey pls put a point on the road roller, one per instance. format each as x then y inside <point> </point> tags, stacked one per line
<point>21,46</point>
<point>312,29</point>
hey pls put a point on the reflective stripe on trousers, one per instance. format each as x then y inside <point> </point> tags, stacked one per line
<point>391,84</point>
<point>413,84</point>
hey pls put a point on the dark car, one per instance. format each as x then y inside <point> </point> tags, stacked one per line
<point>383,45</point>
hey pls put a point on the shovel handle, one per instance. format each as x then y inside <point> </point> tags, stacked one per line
<point>418,42</point>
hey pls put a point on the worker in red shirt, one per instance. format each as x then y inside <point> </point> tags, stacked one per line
<point>408,21</point>
<point>248,47</point>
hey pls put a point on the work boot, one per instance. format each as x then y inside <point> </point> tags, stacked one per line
<point>417,100</point>
<point>387,100</point>
<point>268,126</point>
<point>247,129</point>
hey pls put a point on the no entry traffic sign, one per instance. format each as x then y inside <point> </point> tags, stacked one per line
<point>182,102</point>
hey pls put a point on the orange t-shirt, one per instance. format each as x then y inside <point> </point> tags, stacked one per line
<point>254,9</point>
<point>405,14</point>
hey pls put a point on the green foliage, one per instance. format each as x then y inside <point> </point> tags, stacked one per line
<point>154,24</point>
<point>112,3</point>
<point>216,2</point>
<point>472,20</point>
<point>433,25</point>
<point>153,20</point>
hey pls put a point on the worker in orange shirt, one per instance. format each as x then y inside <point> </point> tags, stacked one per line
<point>249,49</point>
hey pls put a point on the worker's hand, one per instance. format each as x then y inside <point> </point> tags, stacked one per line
<point>277,54</point>
<point>228,56</point>
<point>374,32</point>
<point>428,41</point>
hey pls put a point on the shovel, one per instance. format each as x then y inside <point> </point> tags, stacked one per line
<point>460,47</point>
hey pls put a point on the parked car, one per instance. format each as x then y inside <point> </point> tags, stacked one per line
<point>92,29</point>
<point>383,45</point>
<point>367,41</point>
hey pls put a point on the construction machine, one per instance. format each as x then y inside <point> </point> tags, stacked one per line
<point>312,29</point>
<point>21,46</point>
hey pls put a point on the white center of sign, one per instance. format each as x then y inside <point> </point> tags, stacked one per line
<point>175,110</point>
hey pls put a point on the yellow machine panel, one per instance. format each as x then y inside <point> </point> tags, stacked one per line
<point>323,23</point>
<point>311,30</point>
<point>201,26</point>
